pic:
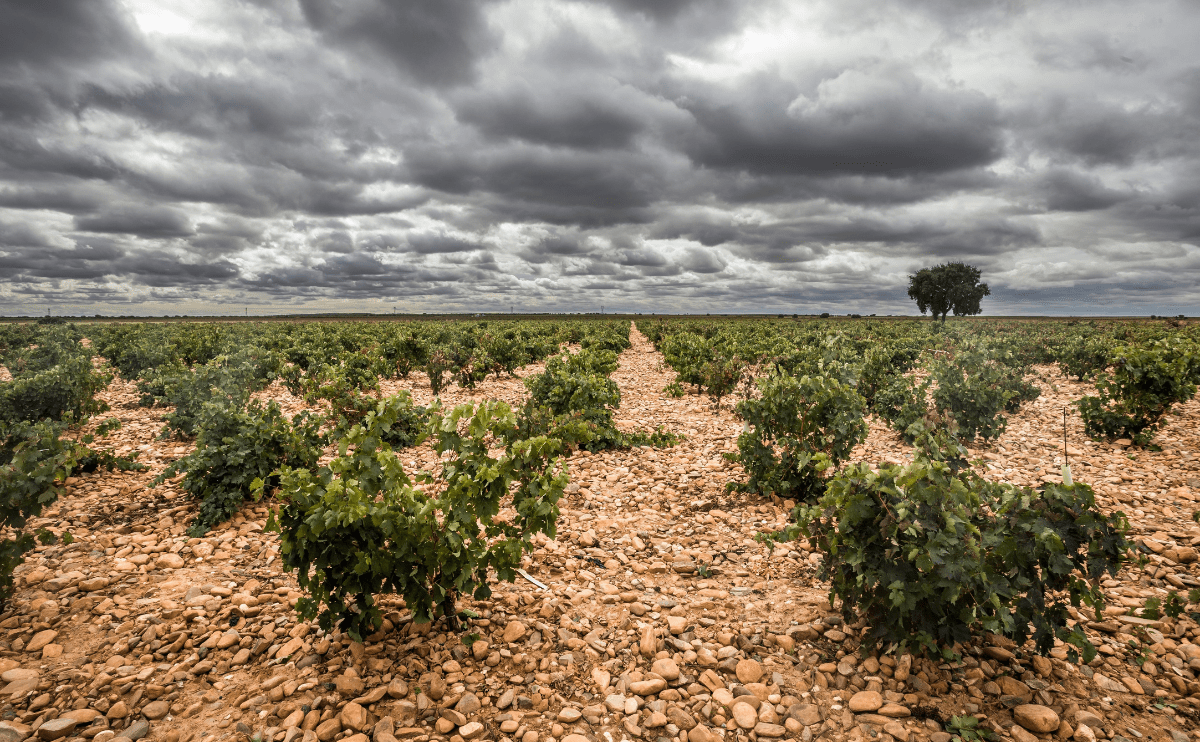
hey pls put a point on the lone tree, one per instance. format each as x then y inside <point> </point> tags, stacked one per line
<point>950,287</point>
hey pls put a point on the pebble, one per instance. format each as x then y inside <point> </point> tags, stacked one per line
<point>1036,718</point>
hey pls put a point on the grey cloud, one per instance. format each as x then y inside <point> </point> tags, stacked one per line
<point>562,117</point>
<point>879,121</point>
<point>675,155</point>
<point>136,219</point>
<point>435,41</point>
<point>429,243</point>
<point>698,260</point>
<point>56,31</point>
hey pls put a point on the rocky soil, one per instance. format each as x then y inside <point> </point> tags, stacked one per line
<point>655,615</point>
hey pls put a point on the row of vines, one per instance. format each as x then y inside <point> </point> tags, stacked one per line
<point>930,553</point>
<point>925,554</point>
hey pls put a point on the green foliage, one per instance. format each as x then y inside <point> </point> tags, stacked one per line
<point>674,390</point>
<point>967,729</point>
<point>950,287</point>
<point>53,379</point>
<point>1146,381</point>
<point>574,400</point>
<point>930,553</point>
<point>721,376</point>
<point>793,426</point>
<point>34,465</point>
<point>1084,357</point>
<point>235,446</point>
<point>436,367</point>
<point>974,390</point>
<point>359,527</point>
<point>224,380</point>
<point>902,403</point>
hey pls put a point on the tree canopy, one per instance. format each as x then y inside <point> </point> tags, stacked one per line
<point>950,287</point>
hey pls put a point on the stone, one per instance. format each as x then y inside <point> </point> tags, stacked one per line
<point>647,687</point>
<point>137,730</point>
<point>468,705</point>
<point>667,668</point>
<point>865,701</point>
<point>354,716</point>
<point>118,711</point>
<point>749,671</point>
<point>513,632</point>
<point>602,678</point>
<point>680,718</point>
<point>40,639</point>
<point>677,624</point>
<point>1083,733</point>
<point>569,715</point>
<point>763,729</point>
<point>1036,718</point>
<point>156,710</point>
<point>1010,686</point>
<point>615,703</point>
<point>744,715</point>
<point>349,685</point>
<point>13,731</point>
<point>575,738</point>
<point>169,561</point>
<point>437,688</point>
<point>897,730</point>
<point>328,729</point>
<point>702,733</point>
<point>56,728</point>
<point>1020,735</point>
<point>1107,684</point>
<point>808,714</point>
<point>657,720</point>
<point>648,643</point>
<point>397,688</point>
<point>894,711</point>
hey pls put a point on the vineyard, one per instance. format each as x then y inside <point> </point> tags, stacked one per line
<point>592,529</point>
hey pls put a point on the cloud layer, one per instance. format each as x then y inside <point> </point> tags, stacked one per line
<point>162,156</point>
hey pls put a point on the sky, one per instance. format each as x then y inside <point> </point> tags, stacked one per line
<point>277,156</point>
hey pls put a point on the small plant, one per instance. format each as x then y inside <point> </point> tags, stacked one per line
<point>1138,654</point>
<point>674,390</point>
<point>1174,605</point>
<point>1145,382</point>
<point>237,446</point>
<point>967,729</point>
<point>930,553</point>
<point>788,426</point>
<point>1151,609</point>
<point>359,527</point>
<point>34,464</point>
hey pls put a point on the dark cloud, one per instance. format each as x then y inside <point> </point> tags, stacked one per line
<point>883,121</point>
<point>435,41</point>
<point>563,117</point>
<point>60,31</point>
<point>136,219</point>
<point>427,243</point>
<point>700,155</point>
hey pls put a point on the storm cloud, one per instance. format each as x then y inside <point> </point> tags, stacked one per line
<point>159,156</point>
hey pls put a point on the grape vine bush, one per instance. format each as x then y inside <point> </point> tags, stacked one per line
<point>1145,382</point>
<point>237,445</point>
<point>360,527</point>
<point>930,553</point>
<point>792,423</point>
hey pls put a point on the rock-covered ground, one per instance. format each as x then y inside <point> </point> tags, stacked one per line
<point>661,618</point>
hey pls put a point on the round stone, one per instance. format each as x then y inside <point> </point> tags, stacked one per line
<point>865,702</point>
<point>1036,718</point>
